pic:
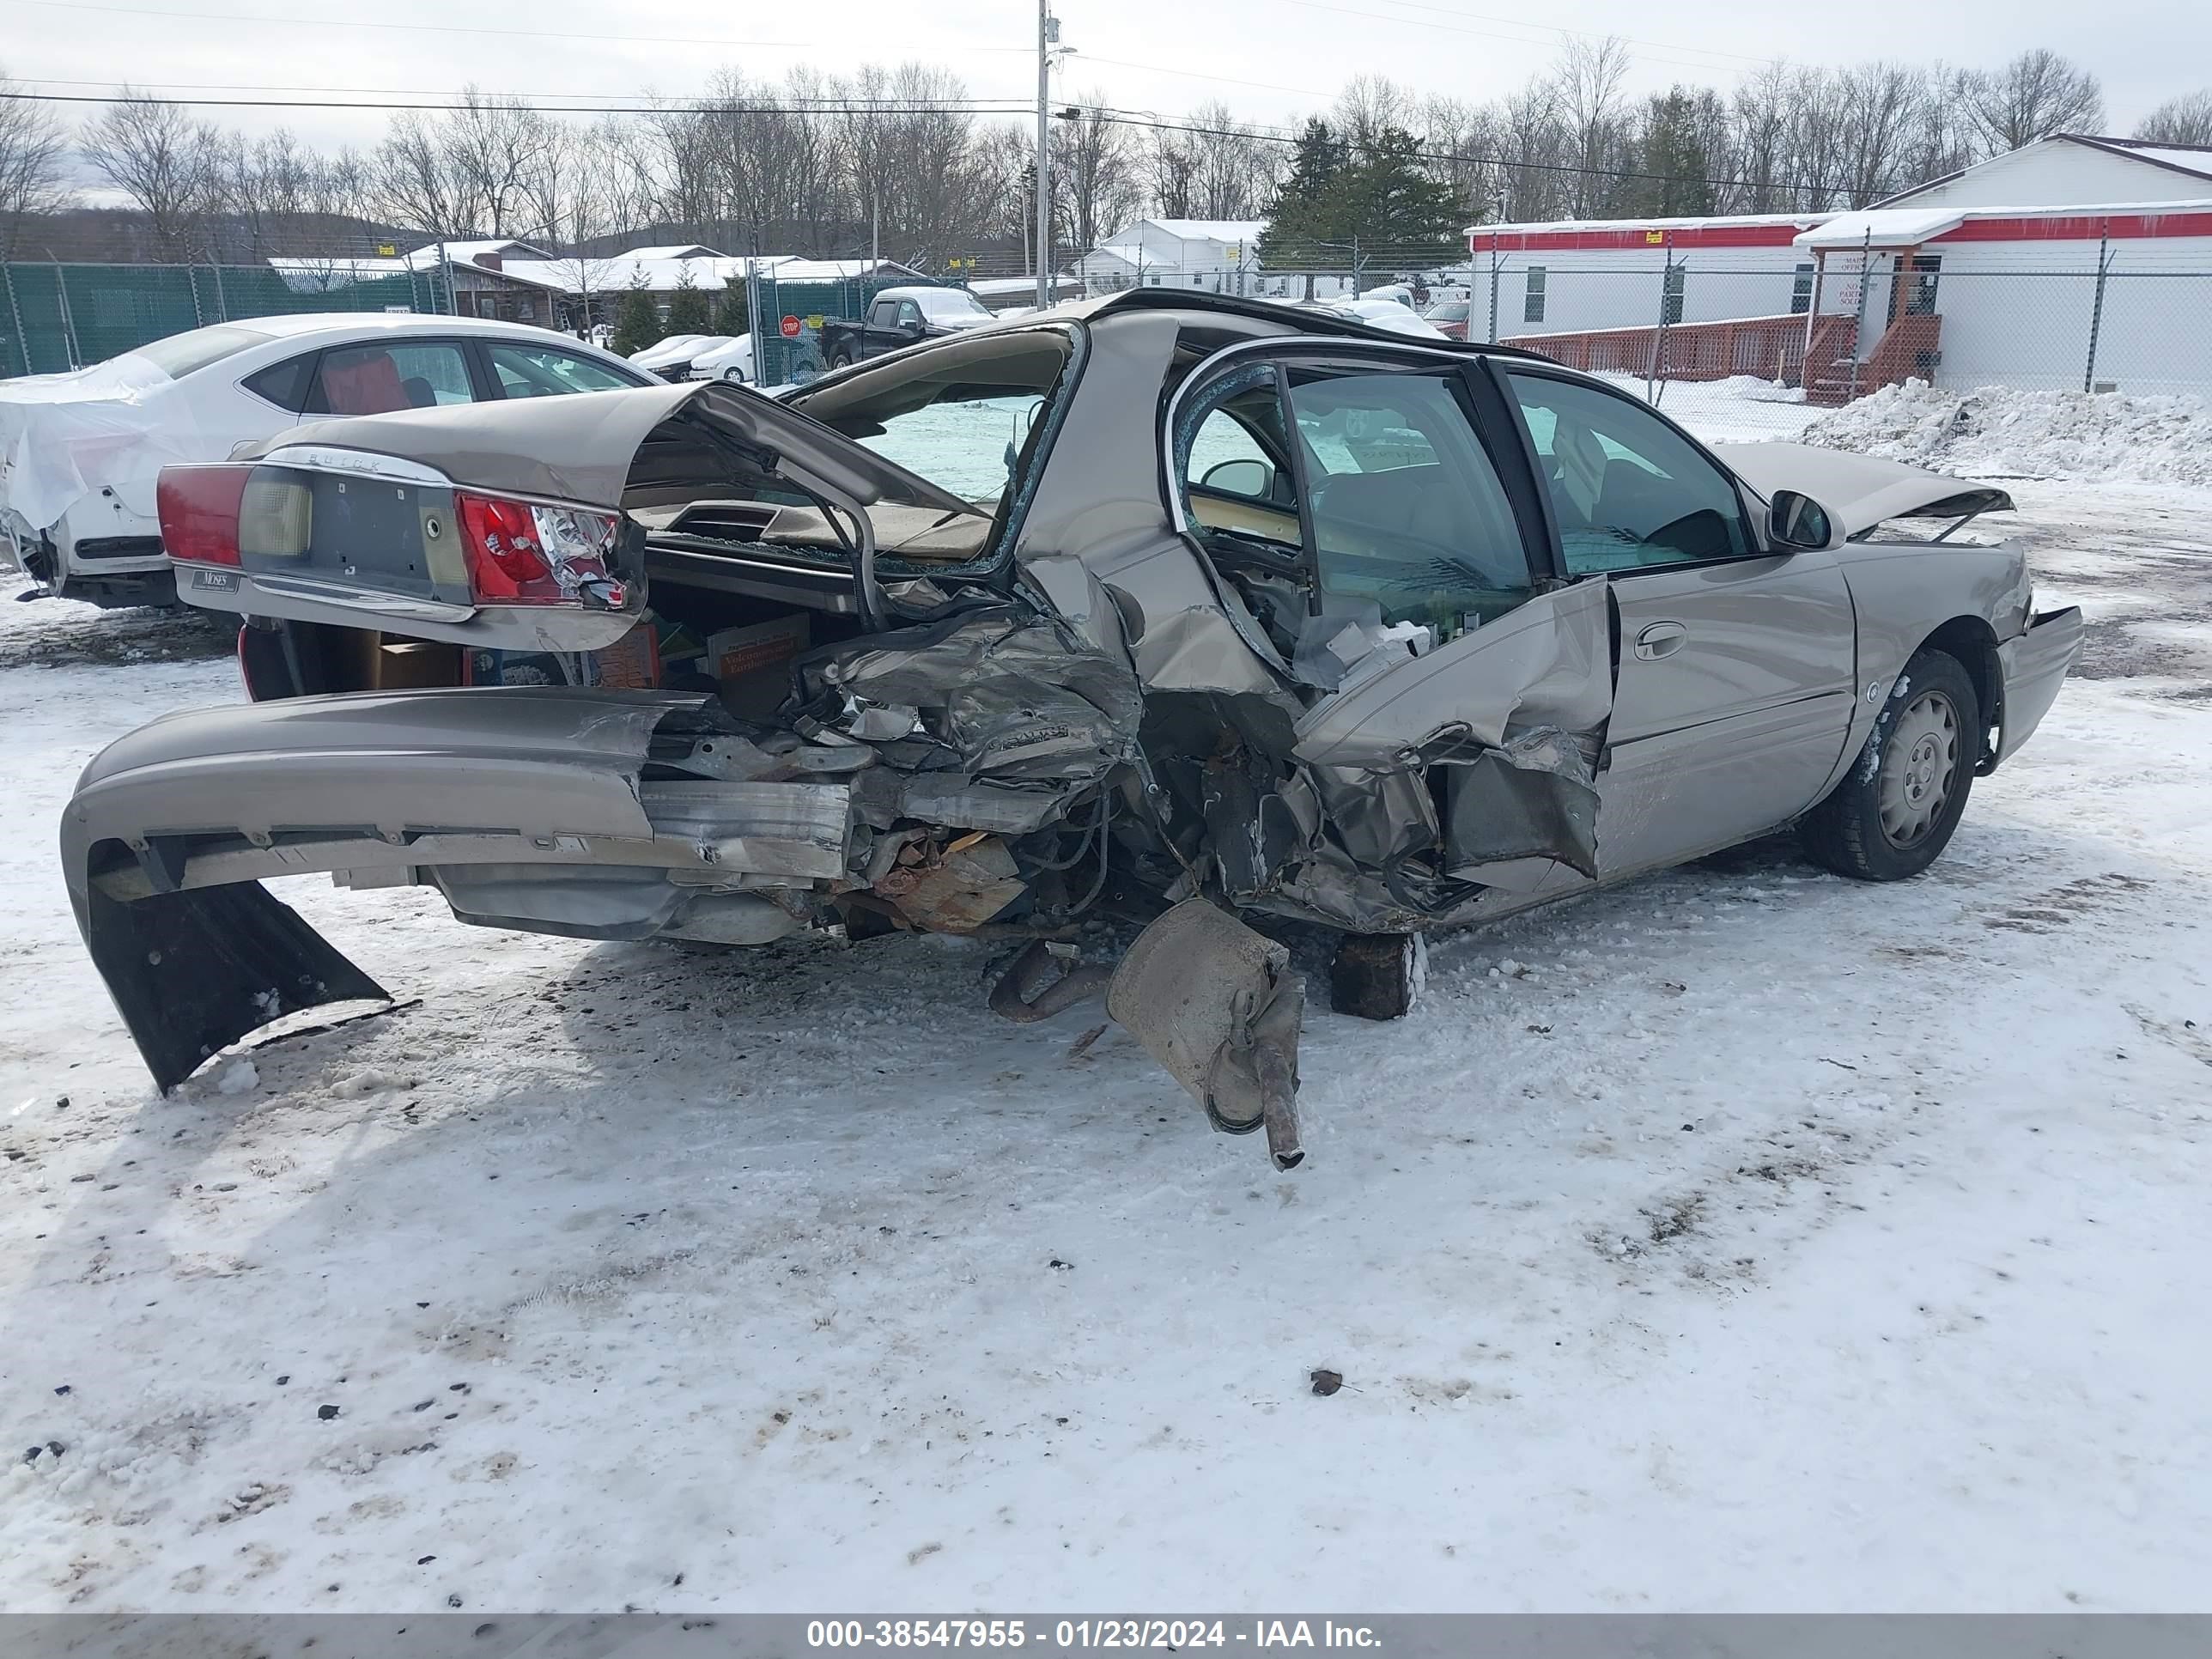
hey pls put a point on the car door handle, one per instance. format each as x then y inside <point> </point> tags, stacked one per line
<point>1660,639</point>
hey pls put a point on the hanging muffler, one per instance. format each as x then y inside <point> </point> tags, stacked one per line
<point>1217,1006</point>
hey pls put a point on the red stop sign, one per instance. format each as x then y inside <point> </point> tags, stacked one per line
<point>791,328</point>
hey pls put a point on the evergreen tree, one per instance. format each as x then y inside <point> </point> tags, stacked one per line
<point>1673,148</point>
<point>1406,217</point>
<point>1380,199</point>
<point>731,316</point>
<point>690,310</point>
<point>637,320</point>
<point>1295,225</point>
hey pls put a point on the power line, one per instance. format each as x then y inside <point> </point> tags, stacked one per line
<point>446,28</point>
<point>446,105</point>
<point>1452,158</point>
<point>854,107</point>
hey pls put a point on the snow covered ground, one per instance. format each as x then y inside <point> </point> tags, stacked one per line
<point>1744,1239</point>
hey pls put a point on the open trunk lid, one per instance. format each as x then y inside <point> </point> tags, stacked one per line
<point>378,510</point>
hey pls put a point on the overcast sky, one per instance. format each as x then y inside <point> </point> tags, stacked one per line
<point>1268,59</point>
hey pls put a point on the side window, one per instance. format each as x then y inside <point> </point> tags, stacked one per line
<point>1400,504</point>
<point>375,380</point>
<point>909,314</point>
<point>885,315</point>
<point>543,372</point>
<point>284,384</point>
<point>1628,491</point>
<point>1800,290</point>
<point>1532,308</point>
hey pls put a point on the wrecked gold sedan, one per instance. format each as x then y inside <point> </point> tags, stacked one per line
<point>1203,611</point>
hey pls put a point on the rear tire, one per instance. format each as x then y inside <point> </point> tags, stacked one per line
<point>841,358</point>
<point>1377,976</point>
<point>1895,811</point>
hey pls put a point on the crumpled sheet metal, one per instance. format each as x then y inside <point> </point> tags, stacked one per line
<point>1532,797</point>
<point>1389,862</point>
<point>1549,663</point>
<point>1013,697</point>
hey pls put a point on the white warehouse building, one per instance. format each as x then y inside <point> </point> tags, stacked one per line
<point>1213,256</point>
<point>2074,261</point>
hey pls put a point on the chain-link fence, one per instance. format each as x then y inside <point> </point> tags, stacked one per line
<point>56,316</point>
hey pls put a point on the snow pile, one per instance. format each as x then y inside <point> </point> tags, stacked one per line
<point>2096,437</point>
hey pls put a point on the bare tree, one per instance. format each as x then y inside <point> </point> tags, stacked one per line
<point>2036,94</point>
<point>1460,133</point>
<point>1095,173</point>
<point>1879,102</point>
<point>412,184</point>
<point>2183,120</point>
<point>491,145</point>
<point>581,188</point>
<point>1170,169</point>
<point>1233,174</point>
<point>1758,155</point>
<point>1588,85</point>
<point>31,150</point>
<point>170,165</point>
<point>1369,106</point>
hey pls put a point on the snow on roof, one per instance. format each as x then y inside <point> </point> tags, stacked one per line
<point>672,250</point>
<point>1903,227</point>
<point>666,274</point>
<point>1882,228</point>
<point>424,257</point>
<point>2182,158</point>
<point>1213,230</point>
<point>1743,221</point>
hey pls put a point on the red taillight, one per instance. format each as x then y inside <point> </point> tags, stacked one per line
<point>505,561</point>
<point>199,509</point>
<point>519,554</point>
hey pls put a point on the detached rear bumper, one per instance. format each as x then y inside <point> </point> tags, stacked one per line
<point>2034,665</point>
<point>526,807</point>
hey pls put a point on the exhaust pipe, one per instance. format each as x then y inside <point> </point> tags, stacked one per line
<point>1216,1003</point>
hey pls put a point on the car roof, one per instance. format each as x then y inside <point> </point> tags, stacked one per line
<point>293,326</point>
<point>1299,317</point>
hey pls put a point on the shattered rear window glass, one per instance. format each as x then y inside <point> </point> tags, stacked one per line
<point>968,446</point>
<point>964,416</point>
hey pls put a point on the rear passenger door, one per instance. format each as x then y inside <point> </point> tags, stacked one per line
<point>1735,664</point>
<point>1391,544</point>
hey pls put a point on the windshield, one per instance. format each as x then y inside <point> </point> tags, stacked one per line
<point>953,302</point>
<point>181,354</point>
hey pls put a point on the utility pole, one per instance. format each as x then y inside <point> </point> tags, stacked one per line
<point>1048,32</point>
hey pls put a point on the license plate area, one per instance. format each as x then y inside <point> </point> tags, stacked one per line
<point>376,535</point>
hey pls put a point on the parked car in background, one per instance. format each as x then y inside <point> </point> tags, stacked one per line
<point>670,359</point>
<point>1448,318</point>
<point>899,317</point>
<point>1203,610</point>
<point>732,360</point>
<point>80,452</point>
